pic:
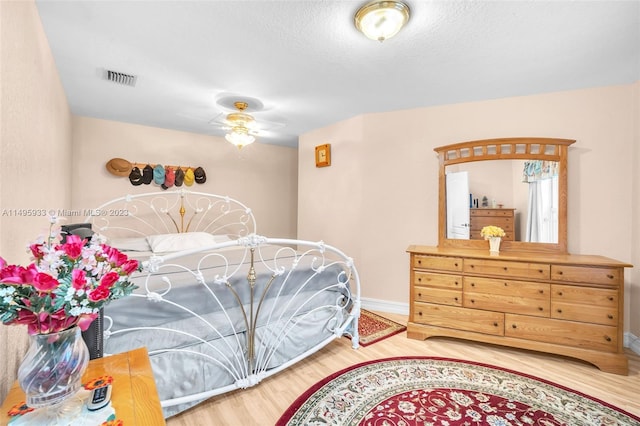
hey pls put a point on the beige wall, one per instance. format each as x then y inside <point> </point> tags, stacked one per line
<point>385,174</point>
<point>35,149</point>
<point>264,177</point>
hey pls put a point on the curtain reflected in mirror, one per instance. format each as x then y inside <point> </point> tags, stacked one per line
<point>542,214</point>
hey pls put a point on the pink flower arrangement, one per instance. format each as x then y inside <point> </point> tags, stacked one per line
<point>65,285</point>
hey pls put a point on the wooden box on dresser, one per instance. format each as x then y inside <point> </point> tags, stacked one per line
<point>563,304</point>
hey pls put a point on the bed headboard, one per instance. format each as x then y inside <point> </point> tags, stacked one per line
<point>175,211</point>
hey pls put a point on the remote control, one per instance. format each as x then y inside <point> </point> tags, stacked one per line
<point>99,398</point>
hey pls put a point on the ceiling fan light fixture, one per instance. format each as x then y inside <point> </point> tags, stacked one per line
<point>239,136</point>
<point>241,119</point>
<point>241,122</point>
<point>380,20</point>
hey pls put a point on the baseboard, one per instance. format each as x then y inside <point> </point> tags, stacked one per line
<point>632,342</point>
<point>385,306</point>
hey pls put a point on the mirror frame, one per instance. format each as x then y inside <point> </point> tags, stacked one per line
<point>549,149</point>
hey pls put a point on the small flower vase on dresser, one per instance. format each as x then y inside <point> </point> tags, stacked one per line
<point>494,246</point>
<point>51,373</point>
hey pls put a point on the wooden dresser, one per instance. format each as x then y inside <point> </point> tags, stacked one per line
<point>481,217</point>
<point>564,304</point>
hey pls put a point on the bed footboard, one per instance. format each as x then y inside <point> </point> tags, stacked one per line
<point>226,316</point>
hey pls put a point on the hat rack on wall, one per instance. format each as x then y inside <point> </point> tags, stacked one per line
<point>153,166</point>
<point>163,175</point>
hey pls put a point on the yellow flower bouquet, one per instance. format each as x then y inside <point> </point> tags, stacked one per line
<point>492,231</point>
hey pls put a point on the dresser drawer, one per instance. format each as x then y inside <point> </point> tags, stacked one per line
<point>584,295</point>
<point>586,274</point>
<point>585,313</point>
<point>475,235</point>
<point>507,269</point>
<point>459,318</point>
<point>437,295</point>
<point>585,304</point>
<point>576,334</point>
<point>438,262</point>
<point>491,212</point>
<point>506,223</point>
<point>518,297</point>
<point>453,282</point>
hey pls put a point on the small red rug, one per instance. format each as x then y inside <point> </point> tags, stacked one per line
<point>412,391</point>
<point>372,328</point>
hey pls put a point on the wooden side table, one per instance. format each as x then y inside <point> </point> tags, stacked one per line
<point>133,396</point>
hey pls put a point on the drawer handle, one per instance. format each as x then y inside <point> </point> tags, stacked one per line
<point>559,272</point>
<point>505,268</point>
<point>419,262</point>
<point>495,324</point>
<point>420,313</point>
<point>455,264</point>
<point>456,283</point>
<point>541,271</point>
<point>419,294</point>
<point>610,316</point>
<point>610,298</point>
<point>473,301</point>
<point>473,284</point>
<point>514,326</point>
<point>559,293</point>
<point>455,298</point>
<point>420,279</point>
<point>540,308</point>
<point>607,338</point>
<point>610,276</point>
<point>506,284</point>
<point>559,311</point>
<point>541,291</point>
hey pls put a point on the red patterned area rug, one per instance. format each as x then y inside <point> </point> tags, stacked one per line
<point>408,391</point>
<point>372,328</point>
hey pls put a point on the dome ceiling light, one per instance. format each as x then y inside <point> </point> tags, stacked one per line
<point>380,20</point>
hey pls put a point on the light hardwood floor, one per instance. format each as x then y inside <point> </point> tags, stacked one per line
<point>264,403</point>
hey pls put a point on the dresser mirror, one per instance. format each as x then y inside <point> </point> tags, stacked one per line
<point>496,182</point>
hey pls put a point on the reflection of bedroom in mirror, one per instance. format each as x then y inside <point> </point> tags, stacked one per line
<point>520,196</point>
<point>518,184</point>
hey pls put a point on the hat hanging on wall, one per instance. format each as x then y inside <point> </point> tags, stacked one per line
<point>199,175</point>
<point>179,177</point>
<point>189,177</point>
<point>119,167</point>
<point>169,177</point>
<point>147,174</point>
<point>158,174</point>
<point>135,177</point>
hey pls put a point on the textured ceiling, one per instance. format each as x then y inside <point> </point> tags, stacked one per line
<point>309,67</point>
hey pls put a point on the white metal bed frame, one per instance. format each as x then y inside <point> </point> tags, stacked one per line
<point>184,211</point>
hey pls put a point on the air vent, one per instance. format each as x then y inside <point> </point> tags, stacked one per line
<point>120,78</point>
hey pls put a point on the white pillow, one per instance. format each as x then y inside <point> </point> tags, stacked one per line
<point>130,244</point>
<point>163,243</point>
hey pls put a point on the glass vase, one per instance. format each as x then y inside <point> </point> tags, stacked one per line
<point>51,371</point>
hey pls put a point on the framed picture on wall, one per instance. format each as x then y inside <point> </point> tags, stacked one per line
<point>323,155</point>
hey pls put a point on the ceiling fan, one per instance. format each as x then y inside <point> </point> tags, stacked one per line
<point>241,127</point>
